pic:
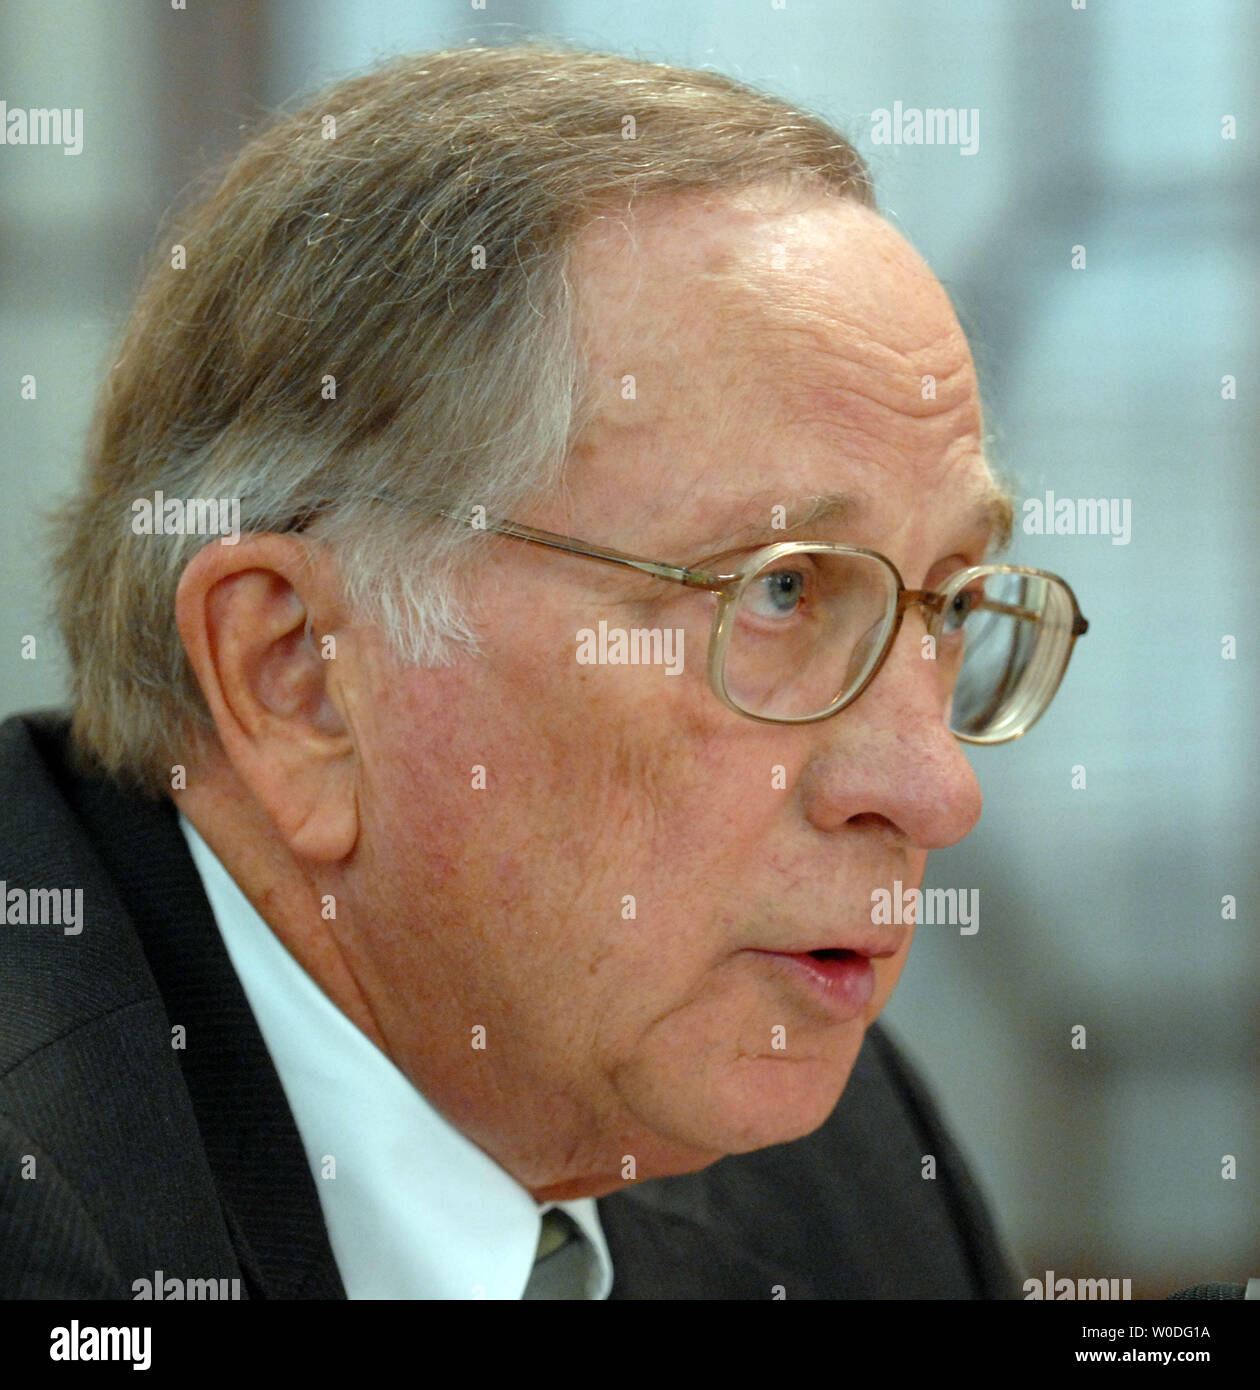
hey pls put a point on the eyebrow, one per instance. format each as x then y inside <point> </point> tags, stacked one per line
<point>993,514</point>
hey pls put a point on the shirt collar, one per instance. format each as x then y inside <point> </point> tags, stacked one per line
<point>414,1209</point>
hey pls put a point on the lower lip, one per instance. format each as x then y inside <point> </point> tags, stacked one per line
<point>845,984</point>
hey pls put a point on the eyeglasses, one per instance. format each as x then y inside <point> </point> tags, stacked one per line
<point>802,628</point>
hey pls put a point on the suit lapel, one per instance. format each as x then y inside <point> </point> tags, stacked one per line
<point>270,1203</point>
<point>660,1250</point>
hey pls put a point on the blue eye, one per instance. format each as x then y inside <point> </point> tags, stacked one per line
<point>776,594</point>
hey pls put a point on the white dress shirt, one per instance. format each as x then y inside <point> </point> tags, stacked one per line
<point>413,1208</point>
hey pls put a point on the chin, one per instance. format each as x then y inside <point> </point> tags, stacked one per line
<point>778,1100</point>
<point>753,1103</point>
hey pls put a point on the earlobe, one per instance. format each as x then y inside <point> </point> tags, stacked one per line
<point>248,618</point>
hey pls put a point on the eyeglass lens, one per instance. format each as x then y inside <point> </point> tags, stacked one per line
<point>809,627</point>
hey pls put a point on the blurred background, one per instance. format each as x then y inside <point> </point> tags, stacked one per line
<point>1104,140</point>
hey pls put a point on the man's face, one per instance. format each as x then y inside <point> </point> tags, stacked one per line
<point>609,907</point>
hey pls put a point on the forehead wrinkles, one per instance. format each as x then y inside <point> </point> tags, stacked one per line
<point>839,341</point>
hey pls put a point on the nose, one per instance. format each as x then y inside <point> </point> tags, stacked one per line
<point>891,754</point>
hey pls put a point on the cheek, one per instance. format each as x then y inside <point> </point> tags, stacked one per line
<point>561,791</point>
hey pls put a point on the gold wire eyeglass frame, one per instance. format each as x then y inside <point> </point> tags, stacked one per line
<point>729,589</point>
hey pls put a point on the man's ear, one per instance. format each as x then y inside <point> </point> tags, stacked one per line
<point>252,616</point>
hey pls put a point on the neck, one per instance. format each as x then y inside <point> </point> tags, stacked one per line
<point>286,894</point>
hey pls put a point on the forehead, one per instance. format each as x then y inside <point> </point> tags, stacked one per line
<point>766,343</point>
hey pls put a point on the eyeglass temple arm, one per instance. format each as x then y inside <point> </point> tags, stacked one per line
<point>680,574</point>
<point>1080,624</point>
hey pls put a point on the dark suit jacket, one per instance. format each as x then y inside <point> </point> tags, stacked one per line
<point>148,1157</point>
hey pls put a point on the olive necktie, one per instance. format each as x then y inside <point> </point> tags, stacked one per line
<point>562,1267</point>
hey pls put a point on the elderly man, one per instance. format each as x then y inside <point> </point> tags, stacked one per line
<point>529,588</point>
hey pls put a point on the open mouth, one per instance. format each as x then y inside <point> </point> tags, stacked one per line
<point>842,979</point>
